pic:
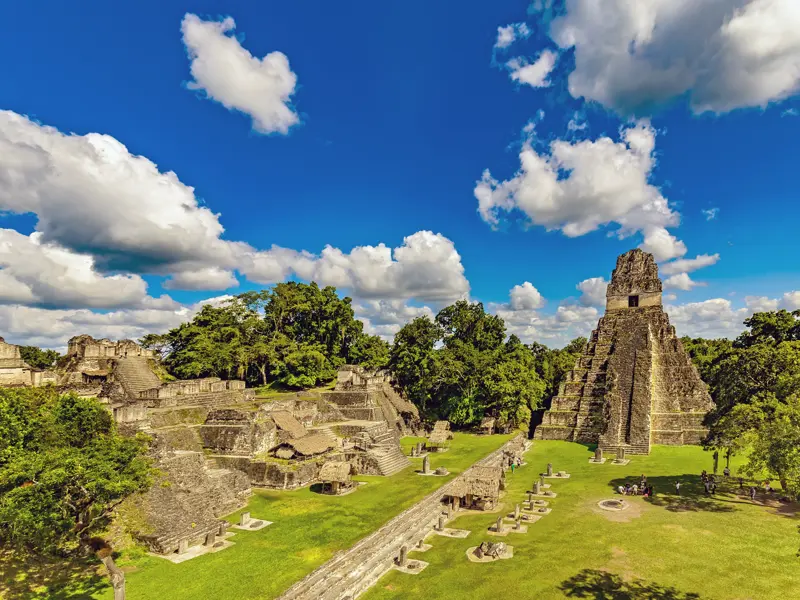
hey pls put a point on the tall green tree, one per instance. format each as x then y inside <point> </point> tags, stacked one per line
<point>63,470</point>
<point>38,358</point>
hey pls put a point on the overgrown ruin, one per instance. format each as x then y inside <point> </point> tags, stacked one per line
<point>634,385</point>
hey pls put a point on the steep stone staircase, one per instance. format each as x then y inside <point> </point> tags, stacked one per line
<point>135,375</point>
<point>386,450</point>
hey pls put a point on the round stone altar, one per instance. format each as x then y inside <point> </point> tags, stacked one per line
<point>615,505</point>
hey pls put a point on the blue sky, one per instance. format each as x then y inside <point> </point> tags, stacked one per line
<point>373,123</point>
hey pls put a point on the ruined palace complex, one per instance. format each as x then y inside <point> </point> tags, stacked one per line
<point>634,385</point>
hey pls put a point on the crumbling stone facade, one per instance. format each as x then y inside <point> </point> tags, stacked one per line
<point>634,385</point>
<point>15,372</point>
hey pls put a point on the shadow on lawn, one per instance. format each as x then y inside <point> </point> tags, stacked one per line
<point>600,585</point>
<point>35,577</point>
<point>692,497</point>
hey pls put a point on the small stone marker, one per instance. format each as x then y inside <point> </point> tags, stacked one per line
<point>541,480</point>
<point>401,560</point>
<point>598,455</point>
<point>537,488</point>
<point>413,451</point>
<point>517,524</point>
<point>426,464</point>
<point>441,522</point>
<point>211,539</point>
<point>244,520</point>
<point>498,527</point>
<point>183,546</point>
<point>549,469</point>
<point>530,498</point>
<point>516,512</point>
<point>420,448</point>
<point>479,551</point>
<point>221,528</point>
<point>620,454</point>
<point>421,543</point>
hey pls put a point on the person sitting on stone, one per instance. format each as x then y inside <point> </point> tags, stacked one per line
<point>635,489</point>
<point>621,490</point>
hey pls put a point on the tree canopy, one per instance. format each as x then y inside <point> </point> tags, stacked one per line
<point>38,358</point>
<point>755,385</point>
<point>295,334</point>
<point>63,469</point>
<point>459,367</point>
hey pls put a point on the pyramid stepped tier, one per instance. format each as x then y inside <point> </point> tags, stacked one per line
<point>634,384</point>
<point>135,375</point>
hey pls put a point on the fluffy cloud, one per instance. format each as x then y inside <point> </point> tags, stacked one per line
<point>210,278</point>
<point>681,281</point>
<point>228,73</point>
<point>534,73</point>
<point>526,297</point>
<point>39,274</point>
<point>760,303</point>
<point>687,265</point>
<point>593,291</point>
<point>714,318</point>
<point>92,196</point>
<point>508,34</point>
<point>633,56</point>
<point>578,187</point>
<point>790,301</point>
<point>426,266</point>
<point>116,213</point>
<point>52,328</point>
<point>710,214</point>
<point>386,317</point>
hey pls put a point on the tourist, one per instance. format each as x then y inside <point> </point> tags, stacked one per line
<point>753,493</point>
<point>727,472</point>
<point>713,488</point>
<point>512,467</point>
<point>678,487</point>
<point>741,483</point>
<point>707,485</point>
<point>635,489</point>
<point>621,490</point>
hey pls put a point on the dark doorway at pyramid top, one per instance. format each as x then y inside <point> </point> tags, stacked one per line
<point>633,385</point>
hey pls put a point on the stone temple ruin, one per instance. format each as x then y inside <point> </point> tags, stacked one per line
<point>634,385</point>
<point>213,440</point>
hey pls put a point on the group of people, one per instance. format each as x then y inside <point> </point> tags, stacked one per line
<point>710,482</point>
<point>641,489</point>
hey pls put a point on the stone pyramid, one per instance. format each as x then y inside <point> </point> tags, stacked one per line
<point>634,385</point>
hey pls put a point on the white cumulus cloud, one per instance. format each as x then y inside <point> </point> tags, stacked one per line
<point>226,72</point>
<point>508,34</point>
<point>526,297</point>
<point>593,291</point>
<point>578,187</point>
<point>687,265</point>
<point>534,74</point>
<point>681,281</point>
<point>634,56</point>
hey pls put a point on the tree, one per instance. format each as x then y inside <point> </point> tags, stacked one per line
<point>63,471</point>
<point>38,358</point>
<point>776,445</point>
<point>412,356</point>
<point>370,351</point>
<point>770,327</point>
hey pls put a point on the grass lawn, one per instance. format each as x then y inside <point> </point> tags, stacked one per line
<point>308,529</point>
<point>668,549</point>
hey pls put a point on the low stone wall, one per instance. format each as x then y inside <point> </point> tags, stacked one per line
<point>283,477</point>
<point>206,399</point>
<point>353,571</point>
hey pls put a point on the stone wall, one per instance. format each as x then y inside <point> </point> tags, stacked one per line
<point>85,346</point>
<point>188,500</point>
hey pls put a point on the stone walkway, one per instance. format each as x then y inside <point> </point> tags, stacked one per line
<point>351,572</point>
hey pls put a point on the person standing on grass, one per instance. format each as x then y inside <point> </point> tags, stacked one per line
<point>678,488</point>
<point>753,493</point>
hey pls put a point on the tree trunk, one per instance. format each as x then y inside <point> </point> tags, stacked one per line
<point>716,461</point>
<point>116,575</point>
<point>103,551</point>
<point>263,370</point>
<point>728,458</point>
